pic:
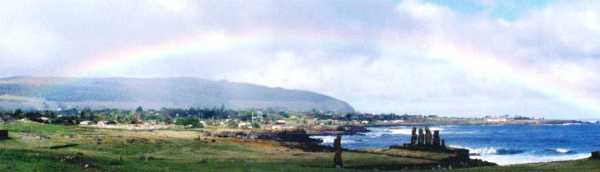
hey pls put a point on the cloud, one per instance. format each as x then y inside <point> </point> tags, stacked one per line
<point>409,56</point>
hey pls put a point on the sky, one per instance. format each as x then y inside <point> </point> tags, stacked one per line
<point>446,57</point>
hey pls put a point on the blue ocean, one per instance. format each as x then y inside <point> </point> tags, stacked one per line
<point>501,144</point>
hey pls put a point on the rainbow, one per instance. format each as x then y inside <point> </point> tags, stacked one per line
<point>205,42</point>
<point>470,60</point>
<point>489,66</point>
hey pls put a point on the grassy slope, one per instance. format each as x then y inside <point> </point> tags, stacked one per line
<point>120,150</point>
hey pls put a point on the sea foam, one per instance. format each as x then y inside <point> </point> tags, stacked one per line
<point>527,158</point>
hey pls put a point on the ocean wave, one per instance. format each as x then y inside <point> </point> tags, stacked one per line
<point>564,124</point>
<point>490,150</point>
<point>483,151</point>
<point>329,139</point>
<point>477,151</point>
<point>560,151</point>
<point>503,156</point>
<point>528,158</point>
<point>509,151</point>
<point>376,132</point>
<point>401,131</point>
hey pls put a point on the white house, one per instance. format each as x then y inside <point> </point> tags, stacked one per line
<point>85,123</point>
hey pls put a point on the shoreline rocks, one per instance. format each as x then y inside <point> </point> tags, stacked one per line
<point>595,155</point>
<point>297,138</point>
<point>343,130</point>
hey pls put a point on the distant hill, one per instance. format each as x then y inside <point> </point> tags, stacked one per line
<point>127,93</point>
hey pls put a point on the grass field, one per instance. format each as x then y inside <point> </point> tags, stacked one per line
<point>42,147</point>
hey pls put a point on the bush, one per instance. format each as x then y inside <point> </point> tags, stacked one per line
<point>255,125</point>
<point>189,121</point>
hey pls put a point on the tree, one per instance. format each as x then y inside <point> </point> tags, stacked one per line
<point>18,114</point>
<point>138,115</point>
<point>87,114</point>
<point>255,125</point>
<point>33,115</point>
<point>232,124</point>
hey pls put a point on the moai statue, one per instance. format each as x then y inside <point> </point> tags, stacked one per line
<point>413,137</point>
<point>443,143</point>
<point>337,145</point>
<point>421,137</point>
<point>436,138</point>
<point>428,136</point>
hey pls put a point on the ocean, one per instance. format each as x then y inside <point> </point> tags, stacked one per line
<point>501,144</point>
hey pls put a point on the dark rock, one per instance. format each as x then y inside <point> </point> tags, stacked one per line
<point>137,141</point>
<point>3,134</point>
<point>461,154</point>
<point>291,138</point>
<point>63,146</point>
<point>352,129</point>
<point>595,155</point>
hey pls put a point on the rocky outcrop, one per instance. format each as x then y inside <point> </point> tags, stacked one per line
<point>332,131</point>
<point>426,140</point>
<point>352,129</point>
<point>3,134</point>
<point>596,155</point>
<point>290,138</point>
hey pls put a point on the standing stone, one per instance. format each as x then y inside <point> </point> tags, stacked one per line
<point>3,134</point>
<point>421,137</point>
<point>337,145</point>
<point>436,138</point>
<point>428,136</point>
<point>413,137</point>
<point>443,143</point>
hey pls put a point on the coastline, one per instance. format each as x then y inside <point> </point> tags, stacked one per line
<point>386,135</point>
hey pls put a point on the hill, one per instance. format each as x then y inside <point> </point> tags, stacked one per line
<point>55,92</point>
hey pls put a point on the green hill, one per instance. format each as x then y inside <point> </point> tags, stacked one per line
<point>54,92</point>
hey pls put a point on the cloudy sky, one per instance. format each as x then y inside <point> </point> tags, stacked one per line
<point>447,57</point>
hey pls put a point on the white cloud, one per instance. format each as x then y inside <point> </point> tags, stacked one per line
<point>423,10</point>
<point>379,56</point>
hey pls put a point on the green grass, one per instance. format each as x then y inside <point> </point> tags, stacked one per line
<point>122,150</point>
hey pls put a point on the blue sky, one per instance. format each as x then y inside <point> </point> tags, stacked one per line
<point>467,58</point>
<point>505,9</point>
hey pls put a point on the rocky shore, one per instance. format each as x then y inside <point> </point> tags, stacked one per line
<point>300,139</point>
<point>291,138</point>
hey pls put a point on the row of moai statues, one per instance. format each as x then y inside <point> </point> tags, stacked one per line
<point>424,137</point>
